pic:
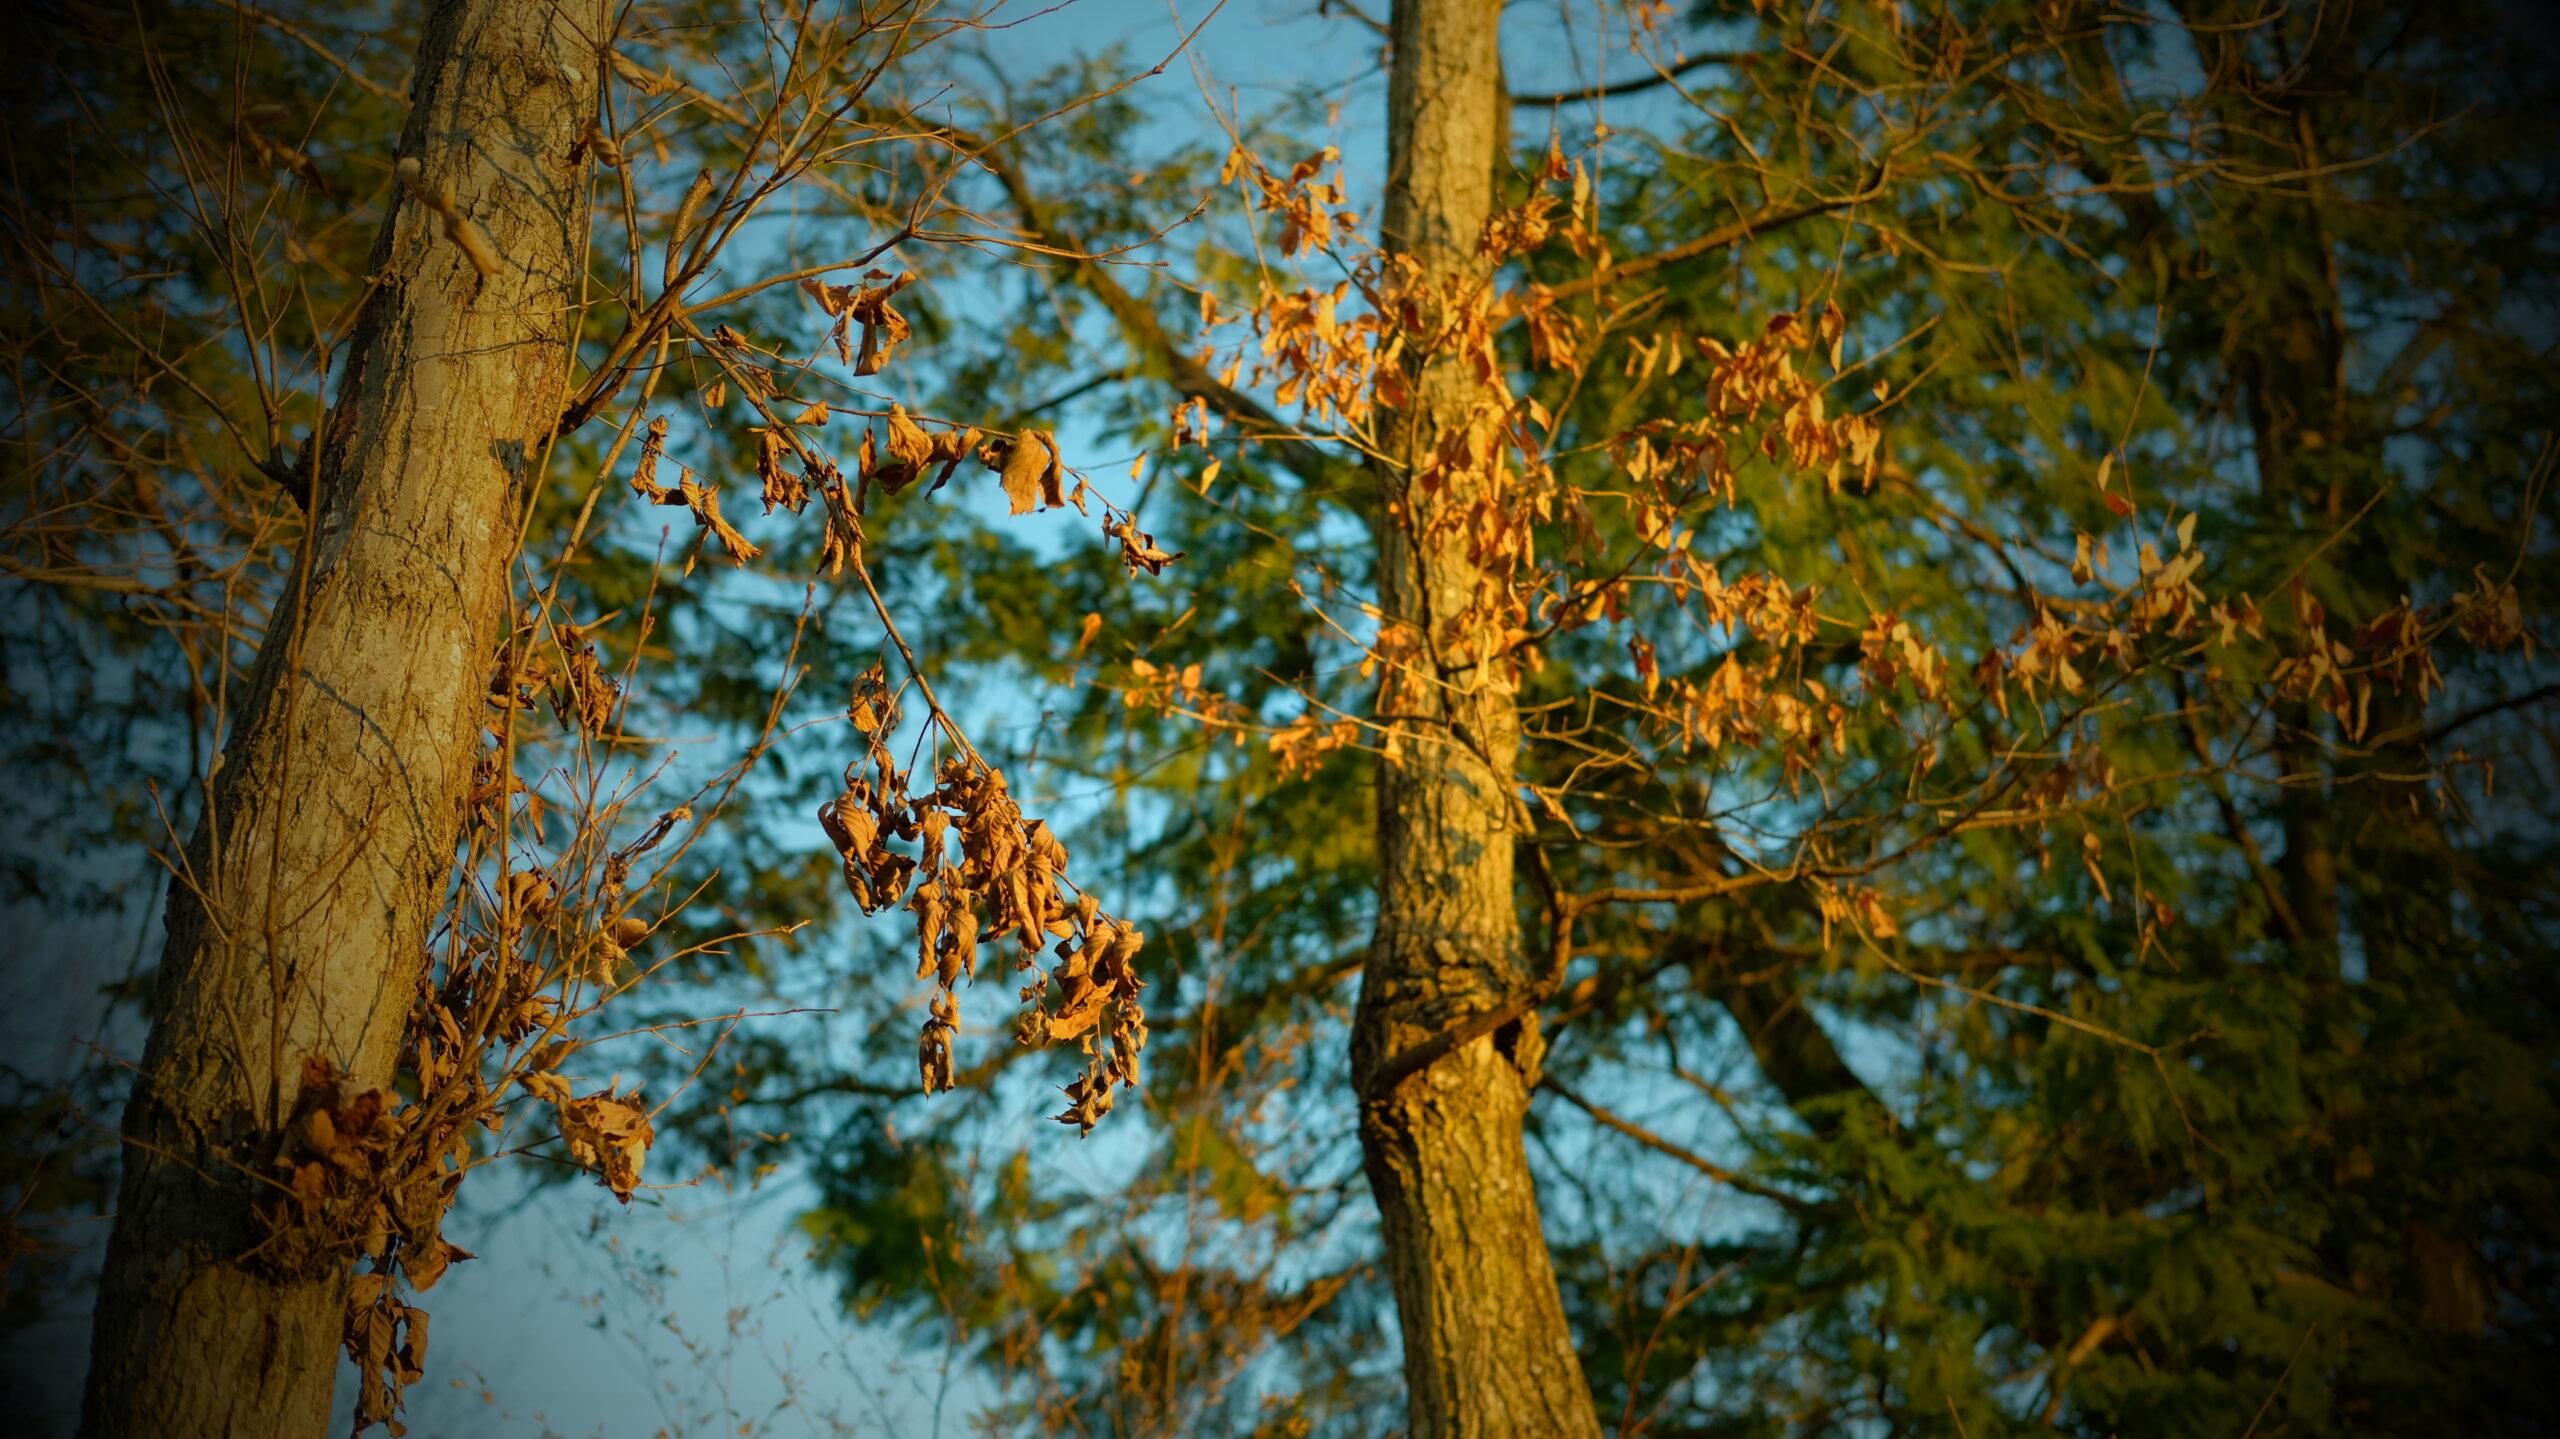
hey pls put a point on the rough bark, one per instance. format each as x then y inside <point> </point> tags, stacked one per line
<point>1487,1351</point>
<point>329,833</point>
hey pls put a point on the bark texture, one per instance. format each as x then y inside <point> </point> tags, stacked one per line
<point>1487,1351</point>
<point>329,833</point>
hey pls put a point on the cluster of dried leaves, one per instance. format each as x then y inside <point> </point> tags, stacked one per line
<point>369,1178</point>
<point>1011,877</point>
<point>1009,884</point>
<point>370,1174</point>
<point>1491,490</point>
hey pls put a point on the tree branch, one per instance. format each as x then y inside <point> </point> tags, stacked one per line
<point>1145,333</point>
<point>1662,75</point>
<point>1405,1064</point>
<point>1794,1053</point>
<point>1660,1145</point>
<point>1762,222</point>
<point>2481,712</point>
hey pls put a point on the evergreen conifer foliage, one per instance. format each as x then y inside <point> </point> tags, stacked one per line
<point>1846,730</point>
<point>2020,929</point>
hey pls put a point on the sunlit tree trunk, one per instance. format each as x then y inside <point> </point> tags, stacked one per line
<point>1486,1347</point>
<point>330,825</point>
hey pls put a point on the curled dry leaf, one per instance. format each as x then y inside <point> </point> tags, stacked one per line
<point>616,940</point>
<point>528,896</point>
<point>702,499</point>
<point>934,1054</point>
<point>773,466</point>
<point>1191,417</point>
<point>872,709</point>
<point>1138,549</point>
<point>590,694</point>
<point>1027,466</point>
<point>1006,885</point>
<point>908,442</point>
<point>842,542</point>
<point>883,328</point>
<point>911,448</point>
<point>387,1341</point>
<point>610,1134</point>
<point>2493,616</point>
<point>950,447</point>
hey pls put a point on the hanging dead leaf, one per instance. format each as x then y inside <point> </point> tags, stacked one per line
<point>886,472</point>
<point>908,442</point>
<point>1138,549</point>
<point>782,484</point>
<point>951,447</point>
<point>1025,466</point>
<point>610,1134</point>
<point>702,499</point>
<point>935,1055</point>
<point>591,694</point>
<point>426,1263</point>
<point>883,328</point>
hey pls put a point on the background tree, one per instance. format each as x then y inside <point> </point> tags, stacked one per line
<point>1486,1350</point>
<point>2058,1110</point>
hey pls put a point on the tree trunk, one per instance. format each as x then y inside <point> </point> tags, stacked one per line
<point>328,839</point>
<point>1486,1348</point>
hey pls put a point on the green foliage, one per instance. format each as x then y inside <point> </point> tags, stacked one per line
<point>2129,1145</point>
<point>2138,1125</point>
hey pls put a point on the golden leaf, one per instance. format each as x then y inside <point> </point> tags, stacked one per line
<point>1138,549</point>
<point>883,328</point>
<point>610,1134</point>
<point>1022,469</point>
<point>908,442</point>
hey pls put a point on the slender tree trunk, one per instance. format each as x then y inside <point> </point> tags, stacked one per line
<point>1486,1348</point>
<point>330,826</point>
<point>2283,380</point>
